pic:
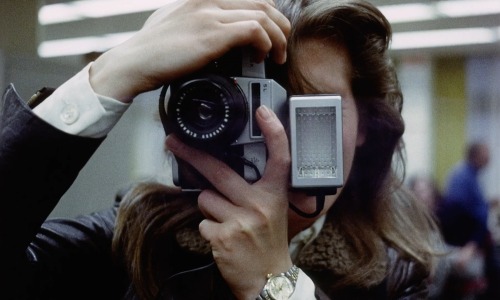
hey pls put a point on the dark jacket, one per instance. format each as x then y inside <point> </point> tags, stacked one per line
<point>71,258</point>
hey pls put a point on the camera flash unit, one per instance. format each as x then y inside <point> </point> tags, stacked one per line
<point>316,143</point>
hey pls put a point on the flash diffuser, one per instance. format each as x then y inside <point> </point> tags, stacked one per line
<point>316,142</point>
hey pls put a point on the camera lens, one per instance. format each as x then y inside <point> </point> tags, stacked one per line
<point>203,114</point>
<point>208,109</point>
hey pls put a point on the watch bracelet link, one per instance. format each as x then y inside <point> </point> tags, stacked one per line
<point>292,274</point>
<point>39,96</point>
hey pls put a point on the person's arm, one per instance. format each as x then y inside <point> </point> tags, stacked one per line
<point>176,40</point>
<point>76,109</point>
<point>246,224</point>
<point>480,213</point>
<point>72,114</point>
<point>38,162</point>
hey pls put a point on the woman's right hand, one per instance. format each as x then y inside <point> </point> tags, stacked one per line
<point>184,36</point>
<point>245,223</point>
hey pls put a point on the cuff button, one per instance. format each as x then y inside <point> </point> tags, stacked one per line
<point>69,114</point>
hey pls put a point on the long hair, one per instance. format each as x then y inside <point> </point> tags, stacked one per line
<point>148,218</point>
<point>373,209</point>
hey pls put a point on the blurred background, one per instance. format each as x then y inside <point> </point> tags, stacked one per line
<point>447,55</point>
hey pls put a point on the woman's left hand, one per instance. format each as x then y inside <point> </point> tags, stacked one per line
<point>246,224</point>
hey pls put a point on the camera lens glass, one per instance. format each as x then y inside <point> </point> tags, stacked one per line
<point>209,109</point>
<point>204,110</point>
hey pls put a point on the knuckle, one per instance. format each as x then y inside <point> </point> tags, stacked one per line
<point>285,159</point>
<point>261,16</point>
<point>282,162</point>
<point>254,27</point>
<point>259,222</point>
<point>263,4</point>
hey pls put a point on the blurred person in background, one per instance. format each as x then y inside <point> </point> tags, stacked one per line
<point>459,273</point>
<point>465,211</point>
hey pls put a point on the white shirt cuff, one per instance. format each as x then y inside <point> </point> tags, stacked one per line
<point>304,288</point>
<point>76,109</point>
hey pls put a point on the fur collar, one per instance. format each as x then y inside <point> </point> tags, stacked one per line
<point>330,251</point>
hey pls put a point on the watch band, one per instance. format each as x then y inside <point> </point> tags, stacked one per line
<point>39,96</point>
<point>289,277</point>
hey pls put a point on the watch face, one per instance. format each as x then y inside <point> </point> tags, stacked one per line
<point>280,288</point>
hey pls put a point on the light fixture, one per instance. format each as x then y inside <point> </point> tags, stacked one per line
<point>82,45</point>
<point>464,8</point>
<point>410,12</point>
<point>82,9</point>
<point>444,38</point>
<point>401,13</point>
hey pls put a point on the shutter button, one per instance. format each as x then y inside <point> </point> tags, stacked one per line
<point>69,114</point>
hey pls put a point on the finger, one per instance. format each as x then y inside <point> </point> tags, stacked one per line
<point>221,176</point>
<point>274,23</point>
<point>209,229</point>
<point>255,29</point>
<point>276,173</point>
<point>250,33</point>
<point>215,207</point>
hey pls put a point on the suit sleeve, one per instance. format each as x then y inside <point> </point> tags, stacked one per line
<point>38,163</point>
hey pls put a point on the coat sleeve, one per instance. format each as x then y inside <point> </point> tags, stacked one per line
<point>38,164</point>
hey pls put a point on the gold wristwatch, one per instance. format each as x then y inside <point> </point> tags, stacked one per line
<point>281,286</point>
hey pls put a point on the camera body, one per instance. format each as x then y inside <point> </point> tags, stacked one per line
<point>214,110</point>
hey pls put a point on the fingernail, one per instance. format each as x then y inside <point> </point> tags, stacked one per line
<point>283,60</point>
<point>265,113</point>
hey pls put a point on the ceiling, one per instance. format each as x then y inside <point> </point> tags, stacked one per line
<point>133,21</point>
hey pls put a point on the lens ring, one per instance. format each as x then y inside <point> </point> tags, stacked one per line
<point>208,109</point>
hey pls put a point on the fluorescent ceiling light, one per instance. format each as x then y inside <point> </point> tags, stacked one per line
<point>444,38</point>
<point>411,12</point>
<point>58,13</point>
<point>400,41</point>
<point>398,13</point>
<point>82,9</point>
<point>408,12</point>
<point>83,45</point>
<point>78,10</point>
<point>465,8</point>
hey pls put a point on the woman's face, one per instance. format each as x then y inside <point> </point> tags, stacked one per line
<point>327,67</point>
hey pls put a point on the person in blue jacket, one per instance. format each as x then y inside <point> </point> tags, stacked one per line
<point>464,211</point>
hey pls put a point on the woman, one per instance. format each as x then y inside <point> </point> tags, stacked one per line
<point>335,48</point>
<point>369,242</point>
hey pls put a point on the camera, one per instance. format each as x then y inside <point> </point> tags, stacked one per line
<point>214,110</point>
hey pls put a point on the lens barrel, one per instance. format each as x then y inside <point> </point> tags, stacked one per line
<point>208,109</point>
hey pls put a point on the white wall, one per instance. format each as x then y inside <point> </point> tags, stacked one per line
<point>415,75</point>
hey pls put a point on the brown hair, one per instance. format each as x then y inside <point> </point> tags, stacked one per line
<point>373,208</point>
<point>148,217</point>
